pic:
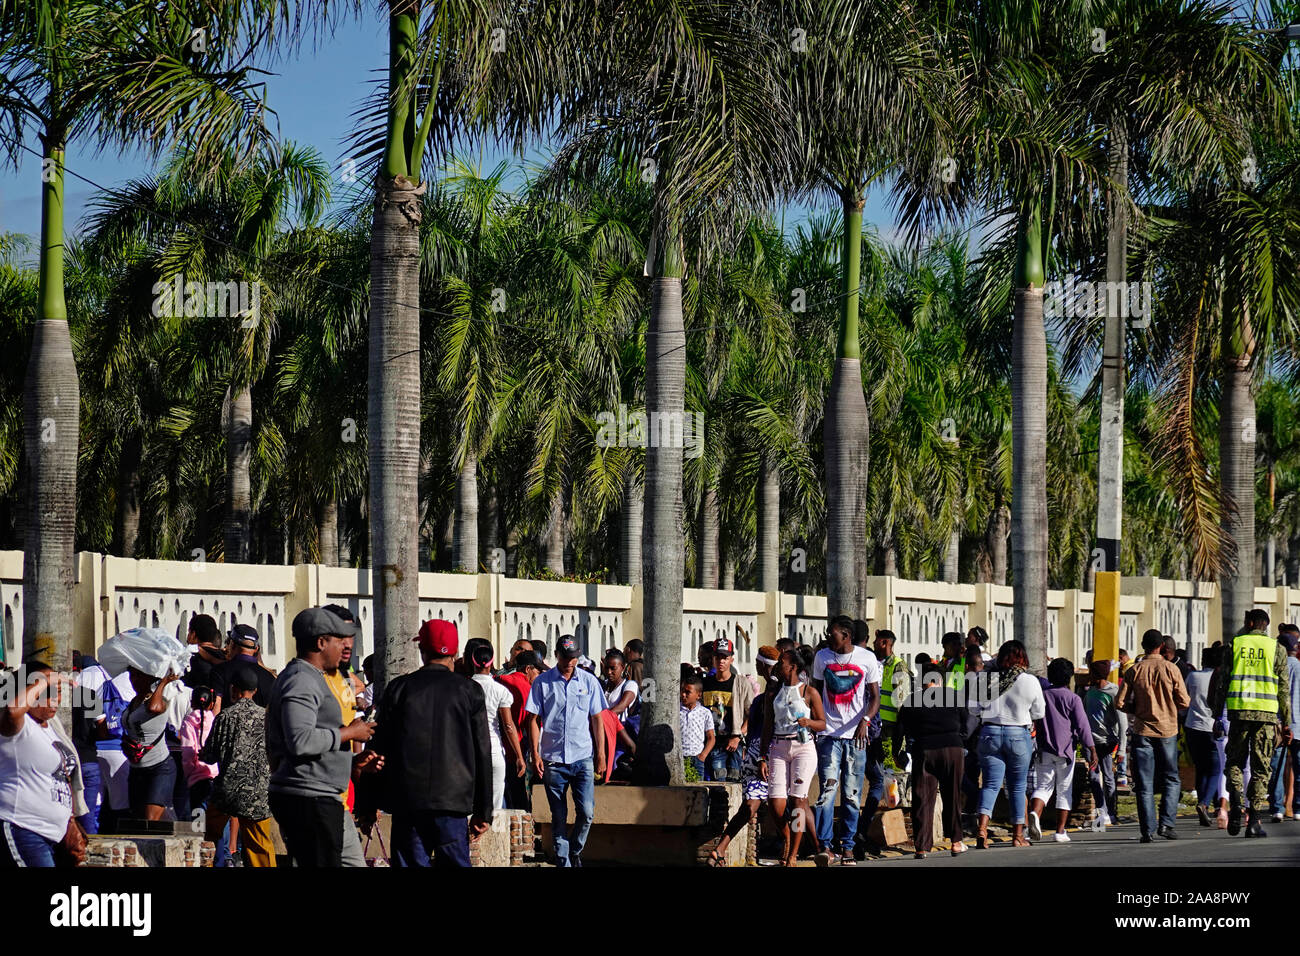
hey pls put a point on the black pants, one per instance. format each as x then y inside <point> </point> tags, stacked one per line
<point>936,771</point>
<point>312,828</point>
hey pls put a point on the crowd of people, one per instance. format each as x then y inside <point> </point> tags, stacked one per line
<point>228,745</point>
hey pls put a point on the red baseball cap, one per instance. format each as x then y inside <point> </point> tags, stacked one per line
<point>439,638</point>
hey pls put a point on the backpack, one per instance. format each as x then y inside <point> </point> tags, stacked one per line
<point>115,706</point>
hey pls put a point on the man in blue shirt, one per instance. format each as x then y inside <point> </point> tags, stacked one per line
<point>565,729</point>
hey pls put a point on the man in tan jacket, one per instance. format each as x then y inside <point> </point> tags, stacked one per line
<point>1152,694</point>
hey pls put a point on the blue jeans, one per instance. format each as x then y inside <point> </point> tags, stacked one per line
<point>698,765</point>
<point>1004,756</point>
<point>722,765</point>
<point>1155,758</point>
<point>557,780</point>
<point>90,777</point>
<point>839,765</point>
<point>1208,761</point>
<point>430,840</point>
<point>19,847</point>
<point>1282,755</point>
<point>1102,781</point>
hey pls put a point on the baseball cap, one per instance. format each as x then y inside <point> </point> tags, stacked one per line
<point>317,621</point>
<point>567,647</point>
<point>438,637</point>
<point>246,635</point>
<point>723,647</point>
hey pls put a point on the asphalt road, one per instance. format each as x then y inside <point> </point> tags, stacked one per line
<point>1119,846</point>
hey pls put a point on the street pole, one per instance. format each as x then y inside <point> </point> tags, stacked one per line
<point>1110,451</point>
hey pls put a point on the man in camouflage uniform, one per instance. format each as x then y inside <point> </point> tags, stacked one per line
<point>1253,682</point>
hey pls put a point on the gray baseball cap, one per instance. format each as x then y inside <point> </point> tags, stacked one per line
<point>317,621</point>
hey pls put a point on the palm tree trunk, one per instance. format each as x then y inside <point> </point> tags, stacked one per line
<point>1237,464</point>
<point>51,402</point>
<point>708,558</point>
<point>633,519</point>
<point>1293,560</point>
<point>950,572</point>
<point>846,435</point>
<point>999,529</point>
<point>491,539</point>
<point>394,425</point>
<point>126,523</point>
<point>888,555</point>
<point>769,525</point>
<point>327,533</point>
<point>466,533</point>
<point>1029,448</point>
<point>239,489</point>
<point>659,752</point>
<point>728,570</point>
<point>555,534</point>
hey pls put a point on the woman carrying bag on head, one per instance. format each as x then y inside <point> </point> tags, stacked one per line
<point>151,781</point>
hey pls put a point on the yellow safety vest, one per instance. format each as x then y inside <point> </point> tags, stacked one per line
<point>888,711</point>
<point>1253,685</point>
<point>956,675</point>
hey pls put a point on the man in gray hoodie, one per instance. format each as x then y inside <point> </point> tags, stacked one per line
<point>308,746</point>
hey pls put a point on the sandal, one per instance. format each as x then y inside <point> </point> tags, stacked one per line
<point>715,859</point>
<point>958,849</point>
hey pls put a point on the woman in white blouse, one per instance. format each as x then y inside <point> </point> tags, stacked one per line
<point>1005,746</point>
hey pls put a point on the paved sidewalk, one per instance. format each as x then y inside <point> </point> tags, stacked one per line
<point>1119,846</point>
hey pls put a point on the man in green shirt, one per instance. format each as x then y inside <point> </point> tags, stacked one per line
<point>1254,685</point>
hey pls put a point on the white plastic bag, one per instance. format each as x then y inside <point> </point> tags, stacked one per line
<point>893,793</point>
<point>150,650</point>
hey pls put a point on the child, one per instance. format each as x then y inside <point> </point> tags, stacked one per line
<point>1052,767</point>
<point>193,733</point>
<point>1103,719</point>
<point>697,725</point>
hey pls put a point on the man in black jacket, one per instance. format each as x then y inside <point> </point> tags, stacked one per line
<point>437,770</point>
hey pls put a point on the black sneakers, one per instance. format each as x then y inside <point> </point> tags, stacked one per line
<point>1167,832</point>
<point>1253,829</point>
<point>1147,838</point>
<point>1234,821</point>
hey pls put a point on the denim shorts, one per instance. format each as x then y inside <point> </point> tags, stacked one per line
<point>154,785</point>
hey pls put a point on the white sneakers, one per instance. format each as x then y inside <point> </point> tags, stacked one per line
<point>1277,818</point>
<point>1035,831</point>
<point>1061,837</point>
<point>1100,820</point>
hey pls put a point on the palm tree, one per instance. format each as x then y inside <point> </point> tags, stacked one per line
<point>861,98</point>
<point>116,72</point>
<point>1186,110</point>
<point>681,93</point>
<point>221,229</point>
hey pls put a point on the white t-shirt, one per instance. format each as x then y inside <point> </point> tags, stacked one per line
<point>1018,707</point>
<point>496,696</point>
<point>35,773</point>
<point>844,680</point>
<point>615,694</point>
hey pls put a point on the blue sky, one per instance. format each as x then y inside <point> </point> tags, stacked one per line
<point>314,94</point>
